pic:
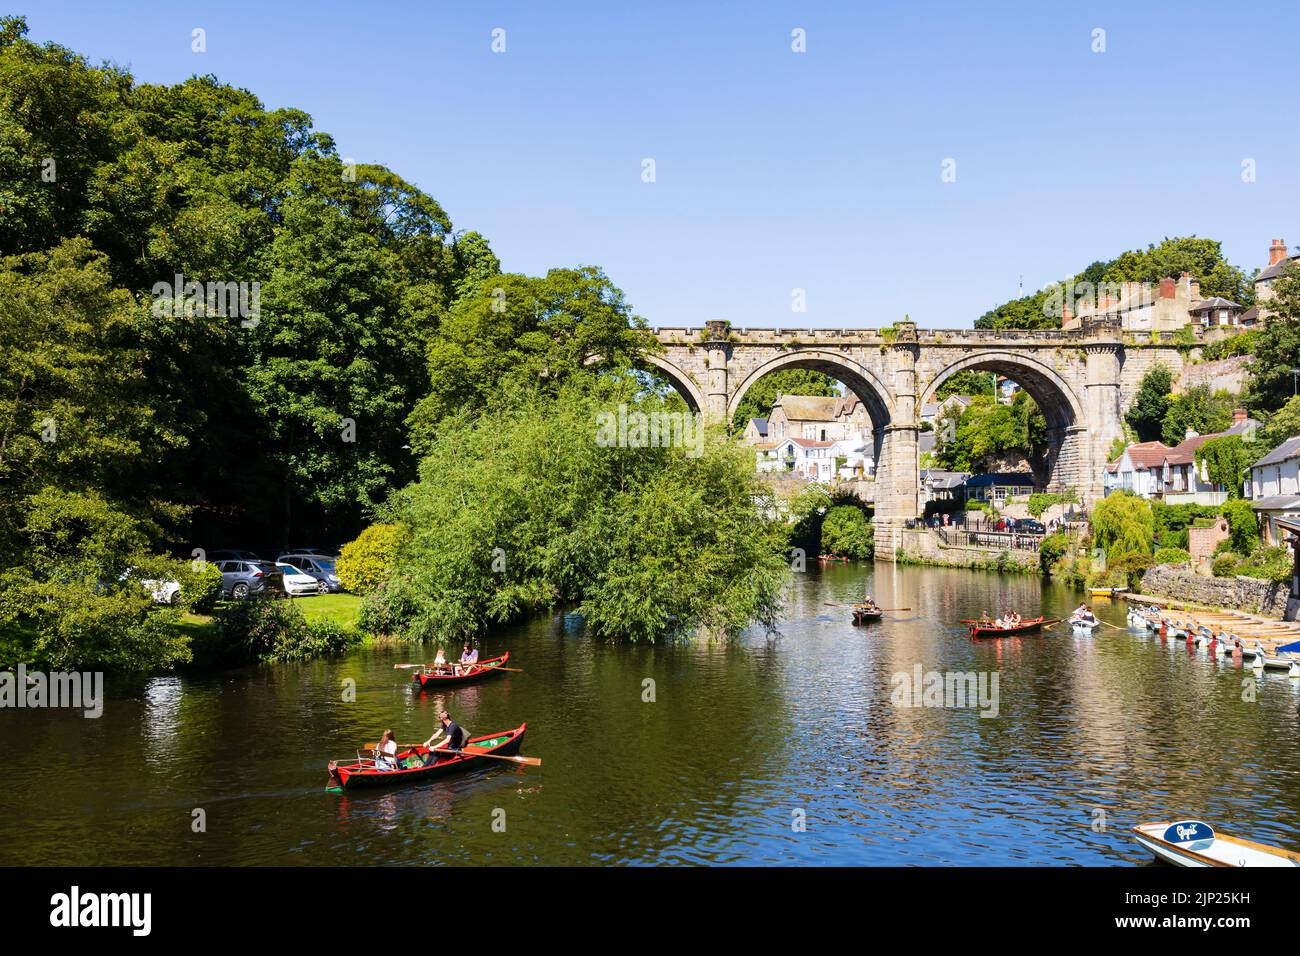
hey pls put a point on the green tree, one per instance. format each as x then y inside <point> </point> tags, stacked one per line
<point>988,430</point>
<point>1243,526</point>
<point>522,507</point>
<point>1283,424</point>
<point>846,531</point>
<point>1151,404</point>
<point>1122,523</point>
<point>967,382</point>
<point>762,395</point>
<point>516,331</point>
<point>1226,461</point>
<point>1277,347</point>
<point>1199,409</point>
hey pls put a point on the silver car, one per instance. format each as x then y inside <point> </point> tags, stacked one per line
<point>241,579</point>
<point>318,566</point>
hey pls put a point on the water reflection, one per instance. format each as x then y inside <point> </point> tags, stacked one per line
<point>739,742</point>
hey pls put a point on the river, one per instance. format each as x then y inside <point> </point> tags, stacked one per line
<point>767,750</point>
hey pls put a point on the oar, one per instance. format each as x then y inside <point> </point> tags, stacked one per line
<point>833,604</point>
<point>529,761</point>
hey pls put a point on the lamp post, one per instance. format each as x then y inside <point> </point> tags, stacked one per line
<point>1295,376</point>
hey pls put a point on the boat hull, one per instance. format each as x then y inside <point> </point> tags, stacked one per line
<point>486,668</point>
<point>1221,851</point>
<point>1028,627</point>
<point>505,743</point>
<point>861,616</point>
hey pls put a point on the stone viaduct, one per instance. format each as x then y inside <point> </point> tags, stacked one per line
<point>1083,380</point>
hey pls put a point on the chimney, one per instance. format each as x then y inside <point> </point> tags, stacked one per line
<point>1067,315</point>
<point>1167,287</point>
<point>1238,416</point>
<point>1276,252</point>
<point>1191,433</point>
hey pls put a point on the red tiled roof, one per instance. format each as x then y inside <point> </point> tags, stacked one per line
<point>810,443</point>
<point>1147,454</point>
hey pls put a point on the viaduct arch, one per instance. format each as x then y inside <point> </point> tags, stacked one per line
<point>1081,379</point>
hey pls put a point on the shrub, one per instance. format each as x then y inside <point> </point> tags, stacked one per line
<point>201,589</point>
<point>1172,556</point>
<point>1243,526</point>
<point>1271,564</point>
<point>846,531</point>
<point>269,631</point>
<point>367,562</point>
<point>1225,565</point>
<point>1054,547</point>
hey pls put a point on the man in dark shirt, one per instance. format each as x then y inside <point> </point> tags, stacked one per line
<point>455,736</point>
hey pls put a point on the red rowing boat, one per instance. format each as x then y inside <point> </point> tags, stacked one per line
<point>485,668</point>
<point>979,630</point>
<point>412,765</point>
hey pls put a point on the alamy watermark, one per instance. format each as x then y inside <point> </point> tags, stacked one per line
<point>624,429</point>
<point>956,689</point>
<point>230,300</point>
<point>84,691</point>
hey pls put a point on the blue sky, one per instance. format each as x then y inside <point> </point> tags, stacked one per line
<point>776,170</point>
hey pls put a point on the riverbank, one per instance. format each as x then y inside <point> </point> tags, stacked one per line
<point>1184,587</point>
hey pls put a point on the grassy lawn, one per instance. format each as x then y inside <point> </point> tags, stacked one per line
<point>340,608</point>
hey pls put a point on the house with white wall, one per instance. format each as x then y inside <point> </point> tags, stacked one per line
<point>801,457</point>
<point>1275,488</point>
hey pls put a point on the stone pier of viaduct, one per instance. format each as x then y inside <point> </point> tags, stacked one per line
<point>1082,380</point>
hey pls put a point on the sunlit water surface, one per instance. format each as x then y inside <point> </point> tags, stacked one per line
<point>781,749</point>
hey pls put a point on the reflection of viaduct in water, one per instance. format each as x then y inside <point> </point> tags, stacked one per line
<point>1081,379</point>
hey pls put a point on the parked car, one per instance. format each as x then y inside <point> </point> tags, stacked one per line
<point>321,552</point>
<point>1028,526</point>
<point>162,592</point>
<point>319,567</point>
<point>241,579</point>
<point>297,581</point>
<point>231,554</point>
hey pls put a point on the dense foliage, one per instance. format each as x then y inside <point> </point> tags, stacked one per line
<point>1199,409</point>
<point>1150,405</point>
<point>847,532</point>
<point>987,431</point>
<point>1226,461</point>
<point>366,563</point>
<point>522,508</point>
<point>1203,258</point>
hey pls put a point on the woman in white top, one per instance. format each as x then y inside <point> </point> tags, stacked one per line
<point>386,752</point>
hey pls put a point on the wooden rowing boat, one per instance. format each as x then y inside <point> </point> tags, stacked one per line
<point>486,668</point>
<point>363,772</point>
<point>866,615</point>
<point>980,631</point>
<point>1193,843</point>
<point>1084,627</point>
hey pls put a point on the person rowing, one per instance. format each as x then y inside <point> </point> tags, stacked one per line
<point>454,742</point>
<point>468,660</point>
<point>1083,615</point>
<point>869,604</point>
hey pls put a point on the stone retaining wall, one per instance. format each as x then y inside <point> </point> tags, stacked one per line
<point>1238,594</point>
<point>923,546</point>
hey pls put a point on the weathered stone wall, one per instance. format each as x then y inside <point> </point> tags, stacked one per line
<point>1237,594</point>
<point>922,546</point>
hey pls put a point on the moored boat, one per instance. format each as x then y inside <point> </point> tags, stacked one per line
<point>988,630</point>
<point>1195,844</point>
<point>484,668</point>
<point>363,772</point>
